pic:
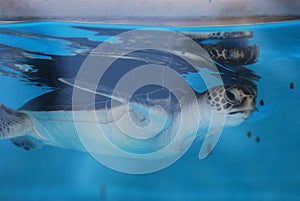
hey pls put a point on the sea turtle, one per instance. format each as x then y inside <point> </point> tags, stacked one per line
<point>48,119</point>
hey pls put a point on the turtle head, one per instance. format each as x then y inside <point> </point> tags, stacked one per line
<point>234,103</point>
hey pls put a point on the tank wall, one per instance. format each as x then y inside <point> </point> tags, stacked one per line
<point>22,9</point>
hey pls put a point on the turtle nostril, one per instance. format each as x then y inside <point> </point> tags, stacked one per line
<point>243,101</point>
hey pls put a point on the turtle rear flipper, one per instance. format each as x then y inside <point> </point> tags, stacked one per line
<point>27,142</point>
<point>13,123</point>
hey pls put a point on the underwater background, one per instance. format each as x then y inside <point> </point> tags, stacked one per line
<point>258,160</point>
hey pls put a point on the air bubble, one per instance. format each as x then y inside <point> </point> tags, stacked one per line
<point>261,102</point>
<point>292,85</point>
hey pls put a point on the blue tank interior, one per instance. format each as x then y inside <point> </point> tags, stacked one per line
<point>263,166</point>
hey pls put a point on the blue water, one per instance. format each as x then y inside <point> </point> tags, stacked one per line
<point>240,168</point>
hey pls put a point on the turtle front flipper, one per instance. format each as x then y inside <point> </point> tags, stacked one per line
<point>13,123</point>
<point>210,141</point>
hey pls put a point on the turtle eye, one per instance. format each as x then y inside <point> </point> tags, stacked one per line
<point>230,96</point>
